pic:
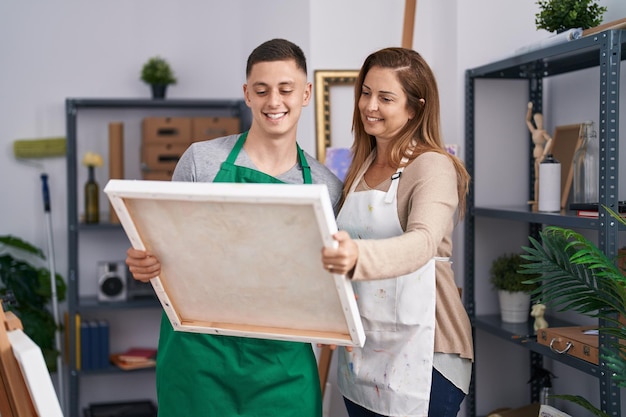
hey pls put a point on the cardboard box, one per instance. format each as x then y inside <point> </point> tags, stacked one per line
<point>571,341</point>
<point>206,128</point>
<point>161,157</point>
<point>158,175</point>
<point>166,130</point>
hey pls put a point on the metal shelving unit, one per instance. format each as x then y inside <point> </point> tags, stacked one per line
<point>76,303</point>
<point>603,51</point>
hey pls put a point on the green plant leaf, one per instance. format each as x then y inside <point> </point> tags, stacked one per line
<point>575,275</point>
<point>577,399</point>
<point>504,274</point>
<point>17,243</point>
<point>30,285</point>
<point>157,71</point>
<point>561,15</point>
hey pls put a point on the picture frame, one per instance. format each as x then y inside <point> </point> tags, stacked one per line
<point>565,142</point>
<point>241,259</point>
<point>324,81</point>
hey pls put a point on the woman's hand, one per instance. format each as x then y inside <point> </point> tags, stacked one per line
<point>333,347</point>
<point>341,259</point>
<point>143,265</point>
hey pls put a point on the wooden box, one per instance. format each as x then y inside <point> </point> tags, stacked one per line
<point>166,130</point>
<point>161,157</point>
<point>206,128</point>
<point>158,175</point>
<point>571,341</point>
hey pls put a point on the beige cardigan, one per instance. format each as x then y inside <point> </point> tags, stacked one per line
<point>427,202</point>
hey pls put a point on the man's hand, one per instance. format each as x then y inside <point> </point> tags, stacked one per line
<point>143,265</point>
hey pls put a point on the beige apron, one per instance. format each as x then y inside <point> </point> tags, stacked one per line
<point>391,374</point>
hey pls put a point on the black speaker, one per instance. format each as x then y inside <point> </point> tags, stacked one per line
<point>112,281</point>
<point>138,290</point>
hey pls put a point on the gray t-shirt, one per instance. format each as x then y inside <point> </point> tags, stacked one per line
<point>202,161</point>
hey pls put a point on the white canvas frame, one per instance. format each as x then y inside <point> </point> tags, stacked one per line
<point>35,373</point>
<point>241,259</point>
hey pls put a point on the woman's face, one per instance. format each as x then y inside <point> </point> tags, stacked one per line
<point>383,104</point>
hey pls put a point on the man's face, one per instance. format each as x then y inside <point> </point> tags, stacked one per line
<point>276,92</point>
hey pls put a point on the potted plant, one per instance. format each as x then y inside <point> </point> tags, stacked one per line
<point>25,281</point>
<point>157,73</point>
<point>561,15</point>
<point>575,275</point>
<point>513,292</point>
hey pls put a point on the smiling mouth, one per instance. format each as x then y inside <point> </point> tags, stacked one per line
<point>275,115</point>
<point>373,119</point>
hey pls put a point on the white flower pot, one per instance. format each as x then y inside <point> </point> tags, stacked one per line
<point>514,306</point>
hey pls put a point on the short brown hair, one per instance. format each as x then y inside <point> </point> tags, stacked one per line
<point>276,50</point>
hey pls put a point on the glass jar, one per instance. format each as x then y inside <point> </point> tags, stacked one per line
<point>585,182</point>
<point>92,205</point>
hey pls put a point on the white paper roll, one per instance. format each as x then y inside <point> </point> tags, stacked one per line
<point>550,185</point>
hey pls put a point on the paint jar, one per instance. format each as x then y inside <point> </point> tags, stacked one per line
<point>549,184</point>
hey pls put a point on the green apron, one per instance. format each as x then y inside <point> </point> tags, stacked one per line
<point>225,376</point>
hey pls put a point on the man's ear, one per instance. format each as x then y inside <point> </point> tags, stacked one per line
<point>245,94</point>
<point>307,94</point>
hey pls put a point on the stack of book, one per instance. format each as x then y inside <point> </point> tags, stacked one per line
<point>135,358</point>
<point>591,209</point>
<point>92,343</point>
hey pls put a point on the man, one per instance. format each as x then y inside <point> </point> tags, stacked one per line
<point>207,375</point>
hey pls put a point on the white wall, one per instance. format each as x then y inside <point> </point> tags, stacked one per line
<point>51,50</point>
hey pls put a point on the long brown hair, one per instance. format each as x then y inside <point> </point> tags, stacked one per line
<point>420,86</point>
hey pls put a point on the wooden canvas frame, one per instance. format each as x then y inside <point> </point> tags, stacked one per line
<point>26,389</point>
<point>35,374</point>
<point>241,259</point>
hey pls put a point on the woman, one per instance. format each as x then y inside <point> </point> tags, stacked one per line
<point>399,208</point>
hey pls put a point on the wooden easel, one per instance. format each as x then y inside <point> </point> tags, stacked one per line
<point>326,355</point>
<point>15,400</point>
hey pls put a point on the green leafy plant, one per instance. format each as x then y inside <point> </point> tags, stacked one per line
<point>561,15</point>
<point>157,71</point>
<point>504,274</point>
<point>23,279</point>
<point>575,275</point>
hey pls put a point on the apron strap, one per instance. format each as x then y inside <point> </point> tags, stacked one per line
<point>229,164</point>
<point>304,164</point>
<point>232,156</point>
<point>395,179</point>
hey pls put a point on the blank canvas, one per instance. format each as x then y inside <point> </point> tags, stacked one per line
<point>241,259</point>
<point>35,374</point>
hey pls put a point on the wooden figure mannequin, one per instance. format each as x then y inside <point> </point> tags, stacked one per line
<point>542,142</point>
